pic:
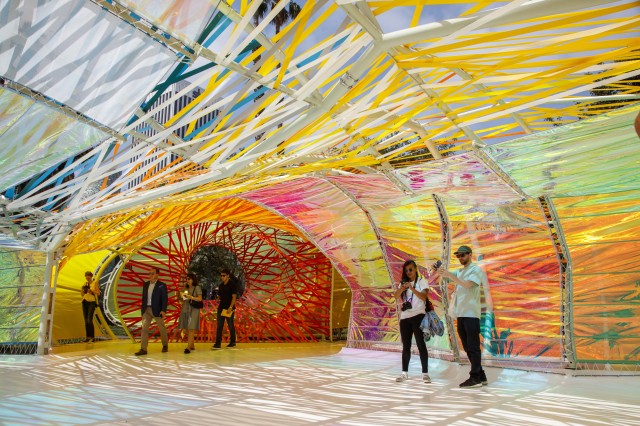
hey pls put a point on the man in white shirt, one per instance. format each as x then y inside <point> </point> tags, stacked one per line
<point>469,281</point>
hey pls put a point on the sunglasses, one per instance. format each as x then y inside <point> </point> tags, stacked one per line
<point>459,255</point>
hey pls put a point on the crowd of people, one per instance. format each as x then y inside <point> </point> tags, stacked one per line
<point>412,295</point>
<point>154,306</point>
<point>154,303</point>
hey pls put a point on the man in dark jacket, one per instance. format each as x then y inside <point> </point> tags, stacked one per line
<point>154,306</point>
<point>228,292</point>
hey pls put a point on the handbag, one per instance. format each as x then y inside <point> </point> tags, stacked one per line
<point>431,325</point>
<point>195,303</point>
<point>452,306</point>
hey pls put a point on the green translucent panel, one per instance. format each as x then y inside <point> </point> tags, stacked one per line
<point>602,204</point>
<point>20,296</point>
<point>594,156</point>
<point>604,244</point>
<point>38,138</point>
<point>12,106</point>
<point>21,283</point>
<point>23,326</point>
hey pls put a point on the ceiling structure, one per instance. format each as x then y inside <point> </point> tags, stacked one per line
<point>347,88</point>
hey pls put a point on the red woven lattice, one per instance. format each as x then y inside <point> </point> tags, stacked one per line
<point>288,282</point>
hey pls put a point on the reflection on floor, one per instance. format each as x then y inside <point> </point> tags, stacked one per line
<point>292,384</point>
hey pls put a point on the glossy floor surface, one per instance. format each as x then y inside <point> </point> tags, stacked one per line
<point>292,384</point>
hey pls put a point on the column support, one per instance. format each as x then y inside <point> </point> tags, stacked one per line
<point>566,279</point>
<point>446,249</point>
<point>47,303</point>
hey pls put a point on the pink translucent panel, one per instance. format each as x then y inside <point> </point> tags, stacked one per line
<point>369,190</point>
<point>341,229</point>
<point>463,177</point>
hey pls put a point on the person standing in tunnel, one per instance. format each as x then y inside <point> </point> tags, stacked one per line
<point>228,292</point>
<point>189,319</point>
<point>90,292</point>
<point>155,299</point>
<point>469,280</point>
<point>412,293</point>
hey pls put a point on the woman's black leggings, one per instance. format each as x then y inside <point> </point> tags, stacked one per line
<point>409,328</point>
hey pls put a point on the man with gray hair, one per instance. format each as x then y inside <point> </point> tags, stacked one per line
<point>155,299</point>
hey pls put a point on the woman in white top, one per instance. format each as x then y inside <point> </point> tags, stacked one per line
<point>90,292</point>
<point>412,298</point>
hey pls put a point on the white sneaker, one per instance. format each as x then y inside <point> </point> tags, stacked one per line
<point>402,377</point>
<point>426,378</point>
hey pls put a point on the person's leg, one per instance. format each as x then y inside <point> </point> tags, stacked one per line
<point>85,315</point>
<point>232,329</point>
<point>190,334</point>
<point>220,328</point>
<point>146,320</point>
<point>462,332</point>
<point>472,328</point>
<point>163,331</point>
<point>91,308</point>
<point>422,346</point>
<point>406,333</point>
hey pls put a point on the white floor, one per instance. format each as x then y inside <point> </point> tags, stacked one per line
<point>294,384</point>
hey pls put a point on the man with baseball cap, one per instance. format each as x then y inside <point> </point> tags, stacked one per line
<point>469,280</point>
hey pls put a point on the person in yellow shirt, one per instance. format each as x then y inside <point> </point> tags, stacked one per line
<point>90,292</point>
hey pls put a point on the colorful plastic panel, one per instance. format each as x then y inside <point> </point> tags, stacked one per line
<point>34,137</point>
<point>84,57</point>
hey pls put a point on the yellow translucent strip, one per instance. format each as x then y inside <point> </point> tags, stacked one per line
<point>301,20</point>
<point>220,124</point>
<point>415,19</point>
<point>544,81</point>
<point>92,236</point>
<point>470,41</point>
<point>385,96</point>
<point>548,81</point>
<point>547,74</point>
<point>468,59</point>
<point>244,6</point>
<point>398,3</point>
<point>474,9</point>
<point>272,63</point>
<point>211,85</point>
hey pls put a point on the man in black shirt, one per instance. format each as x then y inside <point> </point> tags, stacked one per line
<point>228,292</point>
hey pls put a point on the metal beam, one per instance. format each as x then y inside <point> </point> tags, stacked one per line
<point>531,10</point>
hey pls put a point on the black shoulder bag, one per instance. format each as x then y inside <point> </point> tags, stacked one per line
<point>196,304</point>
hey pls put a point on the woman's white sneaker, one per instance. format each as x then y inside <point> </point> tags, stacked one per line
<point>426,378</point>
<point>402,377</point>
